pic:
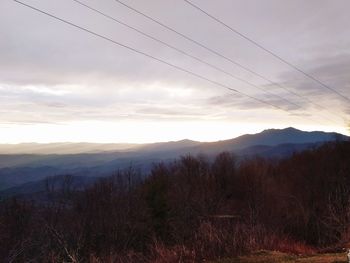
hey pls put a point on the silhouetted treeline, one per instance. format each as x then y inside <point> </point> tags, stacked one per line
<point>187,211</point>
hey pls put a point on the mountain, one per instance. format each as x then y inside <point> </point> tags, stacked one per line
<point>64,148</point>
<point>103,159</point>
<point>288,135</point>
<point>272,137</point>
<point>28,152</point>
<point>169,146</point>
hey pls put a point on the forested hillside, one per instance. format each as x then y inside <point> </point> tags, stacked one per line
<point>189,210</point>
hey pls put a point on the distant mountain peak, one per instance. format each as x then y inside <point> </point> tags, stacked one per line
<point>287,135</point>
<point>288,129</point>
<point>291,129</point>
<point>187,141</point>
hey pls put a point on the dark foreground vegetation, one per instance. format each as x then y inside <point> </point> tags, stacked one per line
<point>187,211</point>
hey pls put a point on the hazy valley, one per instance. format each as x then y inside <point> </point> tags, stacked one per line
<point>23,167</point>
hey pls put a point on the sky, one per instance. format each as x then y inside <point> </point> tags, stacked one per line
<point>59,83</point>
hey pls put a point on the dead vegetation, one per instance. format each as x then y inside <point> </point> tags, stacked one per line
<point>191,210</point>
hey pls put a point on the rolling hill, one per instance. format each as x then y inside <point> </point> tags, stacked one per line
<point>27,163</point>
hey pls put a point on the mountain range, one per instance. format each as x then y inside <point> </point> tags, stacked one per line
<point>25,166</point>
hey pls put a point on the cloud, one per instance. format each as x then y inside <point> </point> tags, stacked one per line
<point>332,70</point>
<point>52,73</point>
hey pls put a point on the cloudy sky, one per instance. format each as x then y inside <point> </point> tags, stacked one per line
<point>59,83</point>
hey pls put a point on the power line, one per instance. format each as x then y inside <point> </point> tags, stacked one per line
<point>195,42</point>
<point>224,57</point>
<point>146,55</point>
<point>184,52</point>
<point>267,50</point>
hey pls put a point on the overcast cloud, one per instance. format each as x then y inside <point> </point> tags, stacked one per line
<point>55,74</point>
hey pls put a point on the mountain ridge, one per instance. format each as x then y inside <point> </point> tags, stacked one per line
<point>279,136</point>
<point>272,143</point>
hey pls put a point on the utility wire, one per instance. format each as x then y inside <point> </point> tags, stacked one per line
<point>202,61</point>
<point>267,50</point>
<point>184,53</point>
<point>146,54</point>
<point>225,57</point>
<point>154,58</point>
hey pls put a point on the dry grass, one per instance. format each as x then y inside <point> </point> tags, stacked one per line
<point>279,257</point>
